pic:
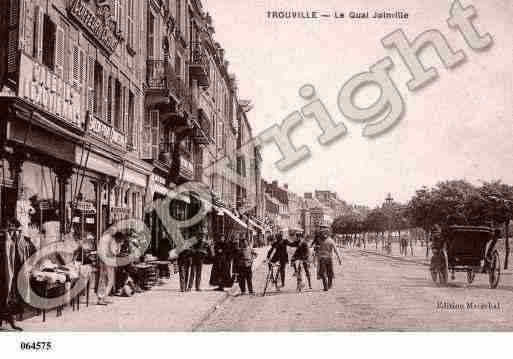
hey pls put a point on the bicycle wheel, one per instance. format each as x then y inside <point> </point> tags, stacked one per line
<point>275,279</point>
<point>299,278</point>
<point>267,280</point>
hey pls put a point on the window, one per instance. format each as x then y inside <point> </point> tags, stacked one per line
<point>130,24</point>
<point>98,89</point>
<point>118,105</point>
<point>179,14</point>
<point>78,67</point>
<point>151,35</point>
<point>49,38</point>
<point>109,100</point>
<point>131,118</point>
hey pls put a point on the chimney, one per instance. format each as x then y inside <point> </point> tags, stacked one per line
<point>275,183</point>
<point>286,186</point>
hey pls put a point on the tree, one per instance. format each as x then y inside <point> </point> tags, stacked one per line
<point>497,207</point>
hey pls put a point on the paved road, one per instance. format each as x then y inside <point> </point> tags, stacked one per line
<point>372,292</point>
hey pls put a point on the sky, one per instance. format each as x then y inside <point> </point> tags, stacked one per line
<point>459,126</point>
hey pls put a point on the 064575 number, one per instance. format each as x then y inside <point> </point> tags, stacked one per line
<point>36,346</point>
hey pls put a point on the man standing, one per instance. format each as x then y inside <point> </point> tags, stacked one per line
<point>325,248</point>
<point>278,253</point>
<point>199,251</point>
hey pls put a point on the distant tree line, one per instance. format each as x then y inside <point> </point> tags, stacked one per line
<point>447,203</point>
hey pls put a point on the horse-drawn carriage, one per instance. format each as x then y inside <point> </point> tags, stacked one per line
<point>469,249</point>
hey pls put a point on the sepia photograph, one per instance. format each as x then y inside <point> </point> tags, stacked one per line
<point>287,166</point>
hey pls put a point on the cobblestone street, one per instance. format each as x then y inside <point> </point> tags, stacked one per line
<point>372,292</point>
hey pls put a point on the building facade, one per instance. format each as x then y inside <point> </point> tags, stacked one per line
<point>110,104</point>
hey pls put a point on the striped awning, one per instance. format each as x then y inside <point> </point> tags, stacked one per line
<point>224,211</point>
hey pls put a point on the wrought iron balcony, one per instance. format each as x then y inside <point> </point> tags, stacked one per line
<point>199,65</point>
<point>161,77</point>
<point>156,77</point>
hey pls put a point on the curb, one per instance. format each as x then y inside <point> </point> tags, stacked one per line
<point>228,294</point>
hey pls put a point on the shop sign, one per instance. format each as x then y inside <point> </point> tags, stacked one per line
<point>48,91</point>
<point>97,26</point>
<point>105,132</point>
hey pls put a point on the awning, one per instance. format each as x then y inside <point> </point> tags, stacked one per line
<point>172,194</point>
<point>254,224</point>
<point>232,216</point>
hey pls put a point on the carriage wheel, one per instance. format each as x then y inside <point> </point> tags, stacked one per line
<point>443,268</point>
<point>471,275</point>
<point>433,269</point>
<point>494,273</point>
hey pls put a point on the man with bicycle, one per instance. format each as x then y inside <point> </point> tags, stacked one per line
<point>278,254</point>
<point>301,257</point>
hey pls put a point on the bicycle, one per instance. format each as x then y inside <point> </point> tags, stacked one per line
<point>298,273</point>
<point>272,276</point>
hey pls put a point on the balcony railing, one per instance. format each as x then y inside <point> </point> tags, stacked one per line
<point>156,76</point>
<point>161,76</point>
<point>199,65</point>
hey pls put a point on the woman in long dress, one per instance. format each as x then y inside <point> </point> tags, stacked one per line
<point>221,274</point>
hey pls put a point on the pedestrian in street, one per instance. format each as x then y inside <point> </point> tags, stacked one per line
<point>244,259</point>
<point>184,266</point>
<point>325,249</point>
<point>111,247</point>
<point>278,254</point>
<point>199,251</point>
<point>221,274</point>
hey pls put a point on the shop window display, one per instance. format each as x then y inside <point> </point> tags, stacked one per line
<point>37,207</point>
<point>82,211</point>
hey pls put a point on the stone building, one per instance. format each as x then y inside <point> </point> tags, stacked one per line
<point>108,105</point>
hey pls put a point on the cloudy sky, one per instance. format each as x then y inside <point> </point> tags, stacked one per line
<point>459,126</point>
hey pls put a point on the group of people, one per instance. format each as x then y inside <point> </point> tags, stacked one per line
<point>320,250</point>
<point>231,259</point>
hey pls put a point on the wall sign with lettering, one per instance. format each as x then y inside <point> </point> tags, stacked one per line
<point>103,131</point>
<point>97,24</point>
<point>45,89</point>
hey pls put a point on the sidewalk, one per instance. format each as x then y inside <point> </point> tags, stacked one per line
<point>164,308</point>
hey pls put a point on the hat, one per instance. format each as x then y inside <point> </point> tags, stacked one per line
<point>324,226</point>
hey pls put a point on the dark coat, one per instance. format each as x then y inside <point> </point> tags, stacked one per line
<point>279,252</point>
<point>221,274</point>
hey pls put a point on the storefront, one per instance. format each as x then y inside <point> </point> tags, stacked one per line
<point>162,237</point>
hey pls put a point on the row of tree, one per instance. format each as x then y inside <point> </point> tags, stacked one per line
<point>449,202</point>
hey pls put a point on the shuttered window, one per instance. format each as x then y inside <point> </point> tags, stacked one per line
<point>75,67</point>
<point>109,99</point>
<point>155,135</point>
<point>59,51</point>
<point>104,97</point>
<point>90,84</point>
<point>38,33</point>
